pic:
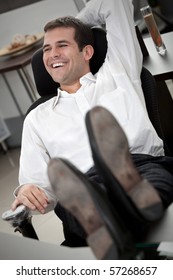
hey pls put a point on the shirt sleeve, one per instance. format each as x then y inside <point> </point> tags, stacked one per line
<point>34,160</point>
<point>124,51</point>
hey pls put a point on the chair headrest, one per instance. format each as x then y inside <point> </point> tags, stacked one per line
<point>100,49</point>
<point>44,82</point>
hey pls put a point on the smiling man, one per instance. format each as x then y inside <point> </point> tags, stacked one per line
<point>64,60</point>
<point>57,127</point>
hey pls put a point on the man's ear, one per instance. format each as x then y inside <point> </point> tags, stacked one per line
<point>88,52</point>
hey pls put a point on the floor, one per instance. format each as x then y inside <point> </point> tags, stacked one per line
<point>48,226</point>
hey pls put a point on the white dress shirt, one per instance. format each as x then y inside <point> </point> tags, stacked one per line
<point>56,128</point>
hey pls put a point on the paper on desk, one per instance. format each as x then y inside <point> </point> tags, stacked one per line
<point>165,249</point>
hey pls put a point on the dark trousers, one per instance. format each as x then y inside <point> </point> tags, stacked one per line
<point>157,170</point>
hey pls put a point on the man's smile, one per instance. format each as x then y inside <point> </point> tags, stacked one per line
<point>58,64</point>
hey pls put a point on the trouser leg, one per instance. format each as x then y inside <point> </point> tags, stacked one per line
<point>73,231</point>
<point>157,170</point>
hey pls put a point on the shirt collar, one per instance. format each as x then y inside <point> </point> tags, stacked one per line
<point>87,78</point>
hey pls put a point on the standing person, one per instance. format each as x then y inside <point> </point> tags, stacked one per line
<point>57,127</point>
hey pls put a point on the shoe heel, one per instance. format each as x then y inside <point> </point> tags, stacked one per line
<point>146,199</point>
<point>103,245</point>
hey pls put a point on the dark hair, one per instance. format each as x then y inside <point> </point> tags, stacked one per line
<point>83,33</point>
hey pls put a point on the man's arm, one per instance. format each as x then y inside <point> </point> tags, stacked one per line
<point>123,46</point>
<point>34,191</point>
<point>32,197</point>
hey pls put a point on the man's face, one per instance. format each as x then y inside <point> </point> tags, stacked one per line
<point>62,58</point>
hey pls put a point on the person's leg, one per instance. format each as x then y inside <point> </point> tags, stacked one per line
<point>159,172</point>
<point>74,234</point>
<point>136,200</point>
<point>106,233</point>
<point>164,190</point>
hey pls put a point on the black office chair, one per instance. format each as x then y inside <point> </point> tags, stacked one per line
<point>47,88</point>
<point>150,94</point>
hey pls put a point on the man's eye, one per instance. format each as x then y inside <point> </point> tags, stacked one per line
<point>63,45</point>
<point>46,49</point>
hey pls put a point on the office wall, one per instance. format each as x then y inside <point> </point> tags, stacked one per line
<point>26,20</point>
<point>8,5</point>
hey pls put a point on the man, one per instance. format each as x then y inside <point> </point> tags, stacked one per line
<point>57,127</point>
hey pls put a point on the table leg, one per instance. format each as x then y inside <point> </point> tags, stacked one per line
<point>29,86</point>
<point>12,94</point>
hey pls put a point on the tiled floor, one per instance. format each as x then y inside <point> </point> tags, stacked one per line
<point>48,226</point>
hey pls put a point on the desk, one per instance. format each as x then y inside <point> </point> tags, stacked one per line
<point>15,247</point>
<point>19,63</point>
<point>161,68</point>
<point>19,248</point>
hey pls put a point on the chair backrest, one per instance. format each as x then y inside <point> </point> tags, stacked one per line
<point>47,88</point>
<point>150,94</point>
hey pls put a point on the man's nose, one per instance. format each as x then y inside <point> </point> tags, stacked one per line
<point>55,52</point>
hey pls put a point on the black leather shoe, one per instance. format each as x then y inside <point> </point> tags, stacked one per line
<point>106,234</point>
<point>135,199</point>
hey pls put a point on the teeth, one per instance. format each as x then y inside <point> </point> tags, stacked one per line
<point>57,65</point>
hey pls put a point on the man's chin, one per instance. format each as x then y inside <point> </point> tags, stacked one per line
<point>56,80</point>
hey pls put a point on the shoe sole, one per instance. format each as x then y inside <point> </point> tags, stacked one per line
<point>74,193</point>
<point>111,155</point>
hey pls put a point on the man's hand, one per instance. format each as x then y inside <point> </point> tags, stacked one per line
<point>32,197</point>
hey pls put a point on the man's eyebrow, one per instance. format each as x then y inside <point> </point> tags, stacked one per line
<point>57,42</point>
<point>45,46</point>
